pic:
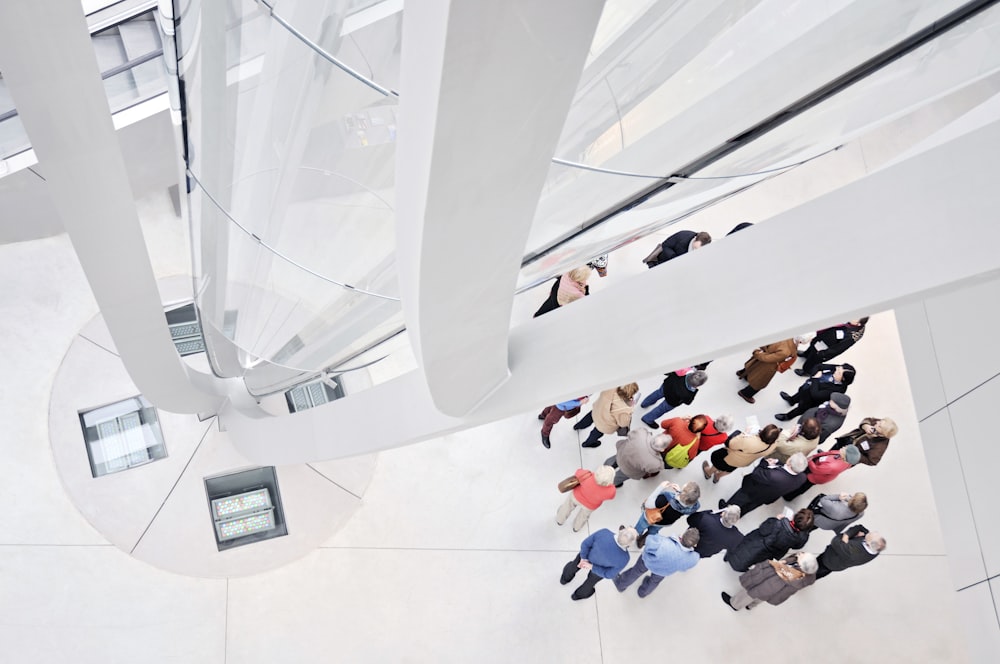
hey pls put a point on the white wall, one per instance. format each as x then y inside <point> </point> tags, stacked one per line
<point>150,155</point>
<point>954,371</point>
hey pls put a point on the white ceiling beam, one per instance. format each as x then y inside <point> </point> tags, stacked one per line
<point>51,71</point>
<point>485,89</point>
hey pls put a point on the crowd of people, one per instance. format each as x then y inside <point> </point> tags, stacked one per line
<point>777,466</point>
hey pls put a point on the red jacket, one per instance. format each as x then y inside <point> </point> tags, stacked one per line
<point>825,466</point>
<point>711,437</point>
<point>677,427</point>
<point>590,494</point>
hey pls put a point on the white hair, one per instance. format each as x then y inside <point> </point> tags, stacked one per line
<point>724,423</point>
<point>797,462</point>
<point>662,441</point>
<point>730,515</point>
<point>807,562</point>
<point>605,475</point>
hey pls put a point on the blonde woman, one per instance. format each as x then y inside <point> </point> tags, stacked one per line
<point>567,288</point>
<point>871,438</point>
<point>612,412</point>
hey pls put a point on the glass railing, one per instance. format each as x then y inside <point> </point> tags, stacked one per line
<point>130,56</point>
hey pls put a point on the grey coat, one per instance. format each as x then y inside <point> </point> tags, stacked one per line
<point>636,456</point>
<point>832,513</point>
<point>829,420</point>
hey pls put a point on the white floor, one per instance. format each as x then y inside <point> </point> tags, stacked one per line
<point>453,555</point>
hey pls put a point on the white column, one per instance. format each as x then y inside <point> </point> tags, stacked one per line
<point>51,71</point>
<point>485,88</point>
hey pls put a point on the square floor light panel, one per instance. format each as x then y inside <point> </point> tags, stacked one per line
<point>245,507</point>
<point>122,435</point>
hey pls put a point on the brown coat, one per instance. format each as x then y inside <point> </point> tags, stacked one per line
<point>610,411</point>
<point>763,583</point>
<point>762,366</point>
<point>744,449</point>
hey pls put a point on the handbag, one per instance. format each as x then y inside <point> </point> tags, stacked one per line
<point>786,363</point>
<point>571,482</point>
<point>654,514</point>
<point>678,455</point>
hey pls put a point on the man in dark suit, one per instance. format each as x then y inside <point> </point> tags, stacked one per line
<point>676,245</point>
<point>769,481</point>
<point>856,546</point>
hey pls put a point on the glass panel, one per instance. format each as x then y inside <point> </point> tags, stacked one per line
<point>701,74</point>
<point>298,160</point>
<point>13,138</point>
<point>961,56</point>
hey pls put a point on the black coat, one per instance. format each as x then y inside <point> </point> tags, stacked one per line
<point>849,335</point>
<point>840,555</point>
<point>772,539</point>
<point>674,246</point>
<point>714,536</point>
<point>765,485</point>
<point>813,391</point>
<point>675,391</point>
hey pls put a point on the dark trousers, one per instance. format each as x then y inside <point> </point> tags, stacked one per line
<point>587,588</point>
<point>748,391</point>
<point>746,502</point>
<point>551,415</point>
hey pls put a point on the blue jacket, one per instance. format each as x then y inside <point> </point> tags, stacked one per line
<point>664,555</point>
<point>602,551</point>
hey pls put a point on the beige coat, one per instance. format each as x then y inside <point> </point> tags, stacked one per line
<point>744,449</point>
<point>786,447</point>
<point>762,366</point>
<point>610,411</point>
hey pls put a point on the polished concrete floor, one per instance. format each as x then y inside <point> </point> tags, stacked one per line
<point>453,554</point>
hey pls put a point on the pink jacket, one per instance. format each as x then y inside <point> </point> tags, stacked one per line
<point>825,466</point>
<point>590,494</point>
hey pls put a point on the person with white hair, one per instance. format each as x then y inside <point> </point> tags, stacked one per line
<point>856,546</point>
<point>679,388</point>
<point>639,455</point>
<point>594,488</point>
<point>663,555</point>
<point>604,555</point>
<point>769,481</point>
<point>773,581</point>
<point>717,529</point>
<point>668,503</point>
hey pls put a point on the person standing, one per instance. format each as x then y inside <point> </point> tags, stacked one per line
<point>830,379</point>
<point>773,581</point>
<point>663,555</point>
<point>685,434</point>
<point>567,288</point>
<point>639,455</point>
<point>824,467</point>
<point>612,412</point>
<point>836,512</point>
<point>802,438</point>
<point>831,342</point>
<point>668,503</point>
<point>604,555</point>
<point>552,414</point>
<point>871,438</point>
<point>594,488</point>
<point>855,547</point>
<point>830,415</point>
<point>676,390</point>
<point>768,482</point>
<point>772,539</point>
<point>718,530</point>
<point>763,364</point>
<point>740,451</point>
<point>676,245</point>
